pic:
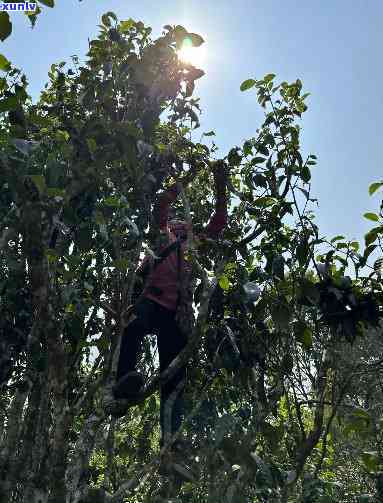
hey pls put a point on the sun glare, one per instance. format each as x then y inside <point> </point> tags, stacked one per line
<point>193,55</point>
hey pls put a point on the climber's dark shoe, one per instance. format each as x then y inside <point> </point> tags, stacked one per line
<point>128,386</point>
<point>123,395</point>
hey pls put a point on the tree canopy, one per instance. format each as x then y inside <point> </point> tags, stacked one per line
<point>284,396</point>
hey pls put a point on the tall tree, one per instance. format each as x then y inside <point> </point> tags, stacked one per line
<point>285,353</point>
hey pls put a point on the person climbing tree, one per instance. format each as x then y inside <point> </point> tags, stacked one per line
<point>167,278</point>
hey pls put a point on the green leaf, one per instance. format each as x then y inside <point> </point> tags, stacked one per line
<point>48,3</point>
<point>106,17</point>
<point>302,252</point>
<point>303,334</point>
<point>224,282</point>
<point>368,251</point>
<point>260,180</point>
<point>140,26</point>
<point>370,237</point>
<point>262,149</point>
<point>102,344</point>
<point>196,40</point>
<point>51,255</point>
<point>341,260</point>
<point>5,65</point>
<point>233,157</point>
<point>269,140</point>
<point>258,160</point>
<point>281,316</point>
<point>304,192</point>
<point>247,148</point>
<point>7,104</point>
<point>39,181</point>
<point>61,135</point>
<point>32,15</point>
<point>92,145</point>
<point>209,133</point>
<point>180,31</point>
<point>247,84</point>
<point>269,77</point>
<point>125,26</point>
<point>307,338</point>
<point>112,201</point>
<point>264,201</point>
<point>106,21</point>
<point>306,174</point>
<point>5,26</point>
<point>374,187</point>
<point>180,34</point>
<point>337,238</point>
<point>372,216</point>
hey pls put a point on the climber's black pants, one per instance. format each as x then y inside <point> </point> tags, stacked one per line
<point>154,318</point>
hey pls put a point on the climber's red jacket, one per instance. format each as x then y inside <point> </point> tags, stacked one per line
<point>162,284</point>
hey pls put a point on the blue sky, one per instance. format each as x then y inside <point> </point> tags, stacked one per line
<point>334,47</point>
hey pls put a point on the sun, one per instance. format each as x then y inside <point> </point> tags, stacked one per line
<point>192,55</point>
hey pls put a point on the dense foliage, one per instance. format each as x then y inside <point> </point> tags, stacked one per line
<point>284,397</point>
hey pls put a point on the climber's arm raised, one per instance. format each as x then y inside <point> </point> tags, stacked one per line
<point>165,200</point>
<point>219,219</point>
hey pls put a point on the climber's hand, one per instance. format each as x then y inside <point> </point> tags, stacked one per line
<point>221,174</point>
